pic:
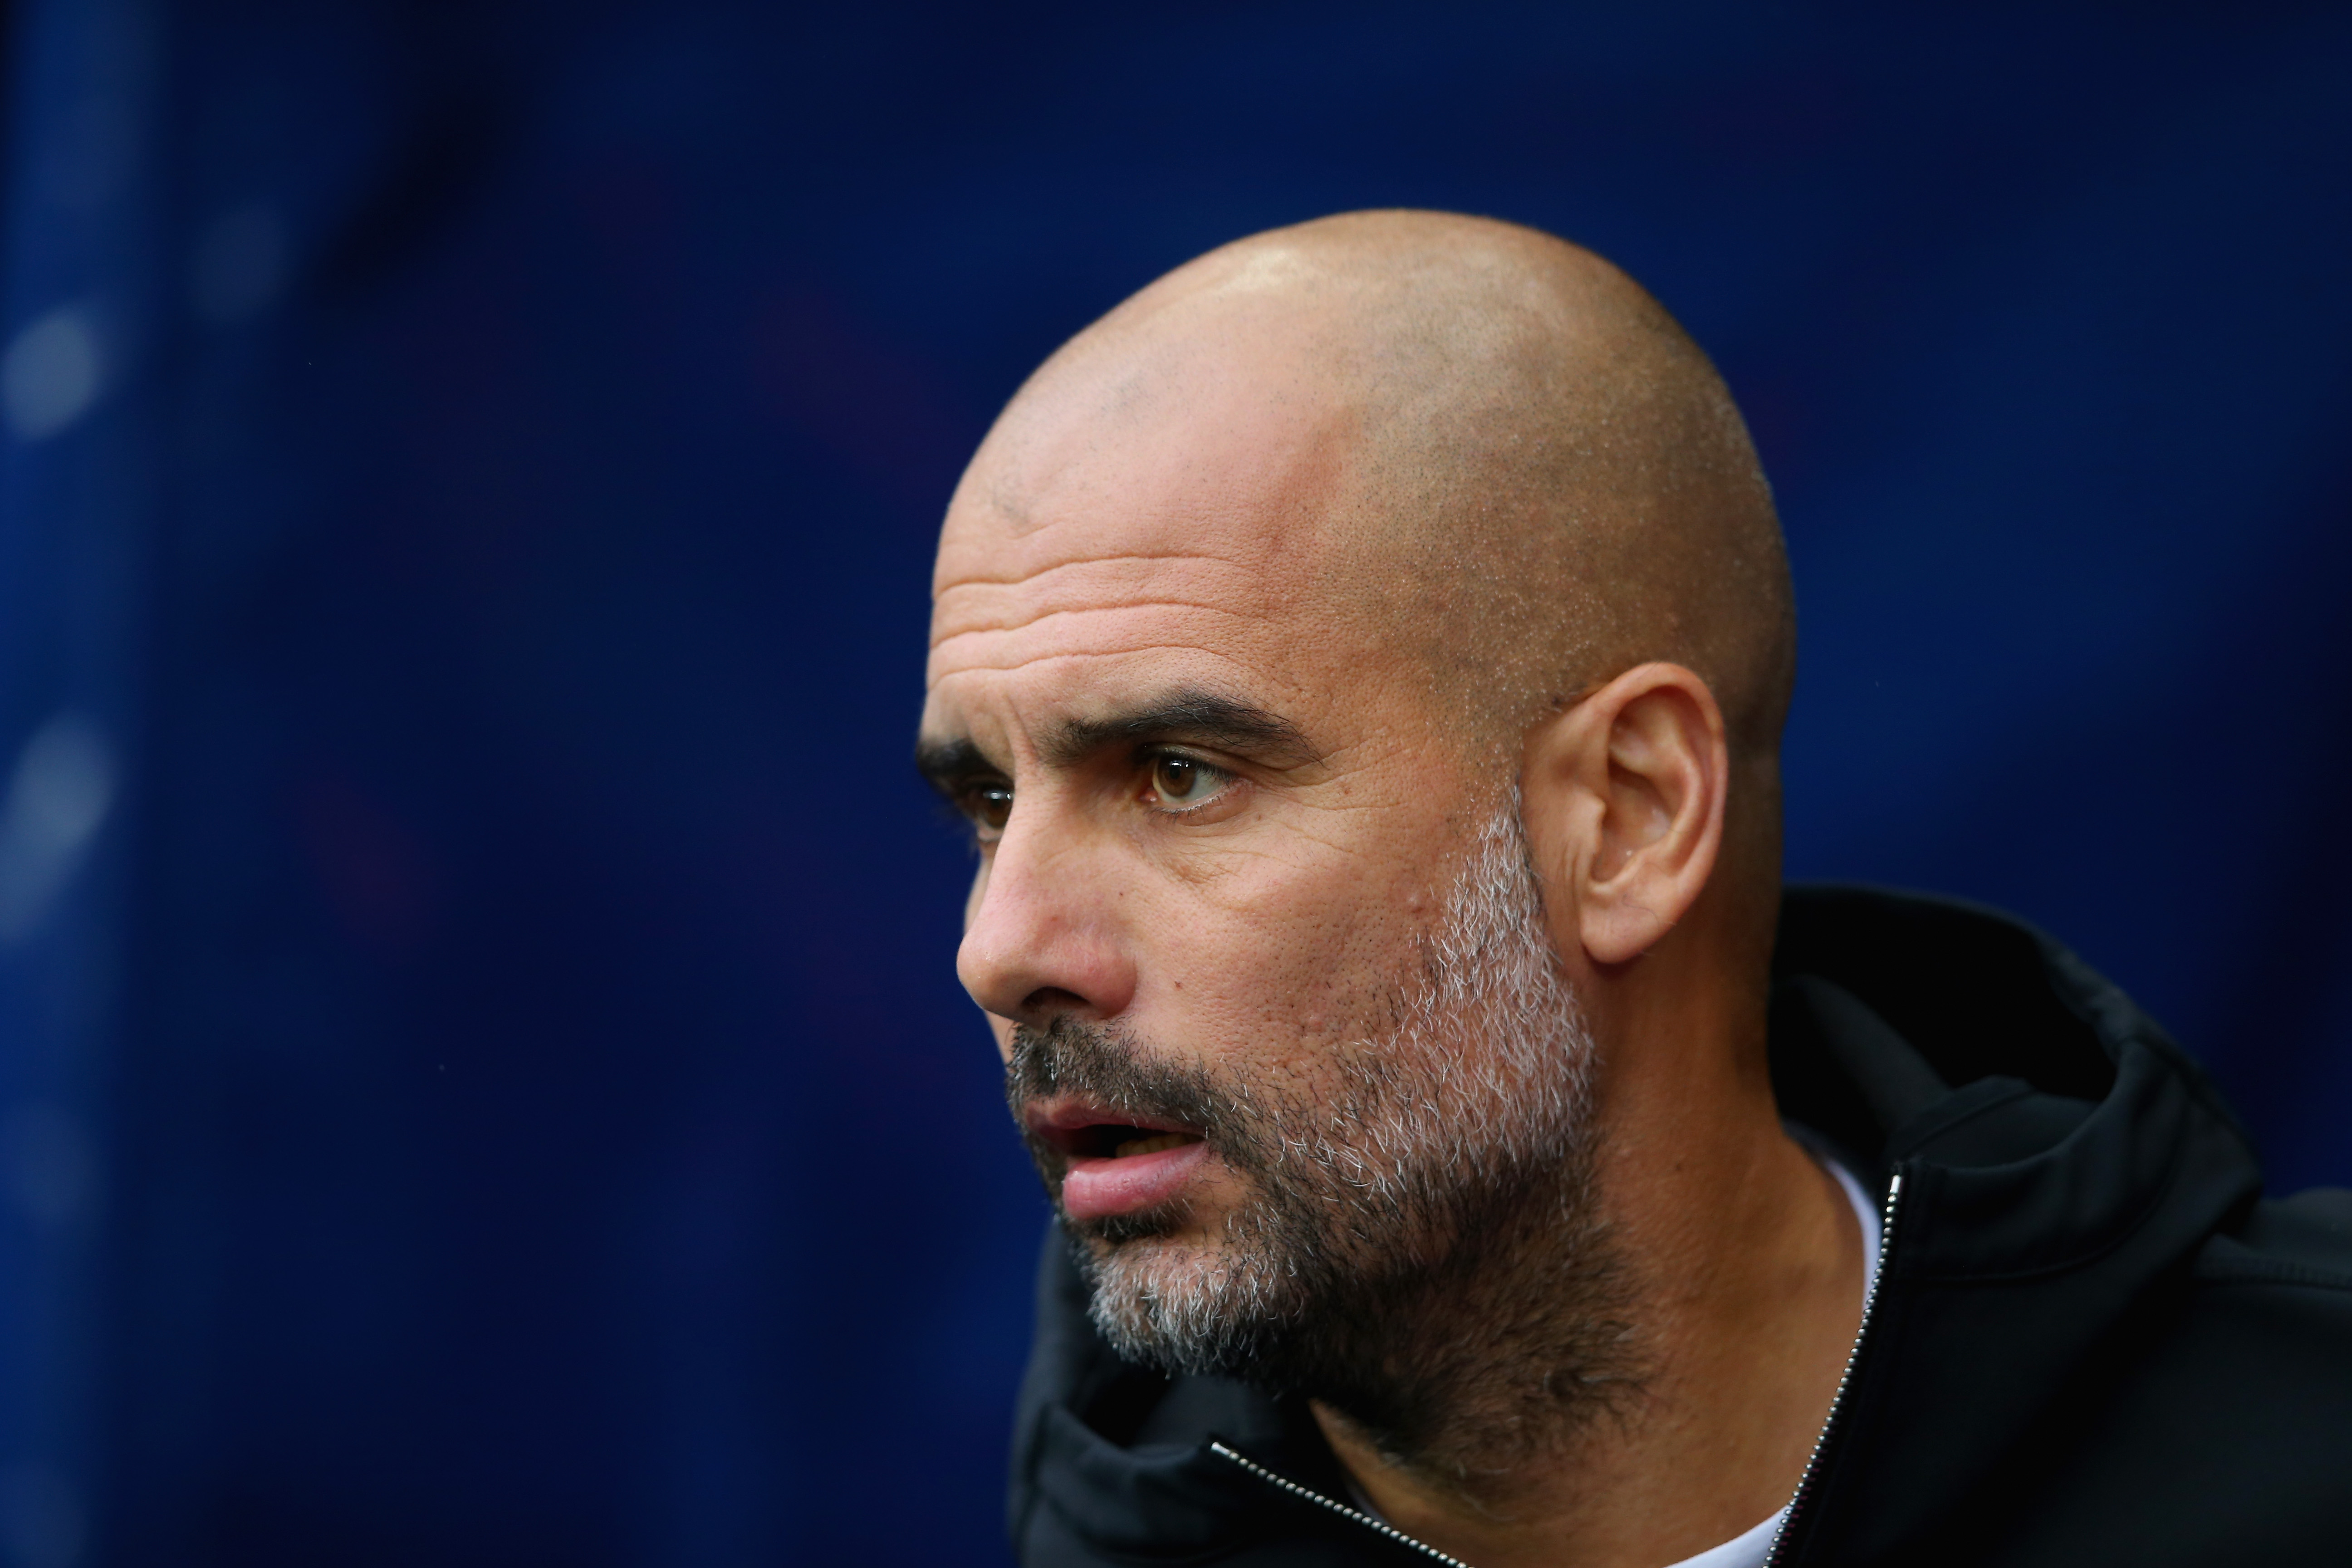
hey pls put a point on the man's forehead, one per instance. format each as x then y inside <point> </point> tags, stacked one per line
<point>1072,631</point>
<point>1237,473</point>
<point>1092,639</point>
<point>1103,523</point>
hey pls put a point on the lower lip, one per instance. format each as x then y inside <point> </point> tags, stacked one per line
<point>1095,1185</point>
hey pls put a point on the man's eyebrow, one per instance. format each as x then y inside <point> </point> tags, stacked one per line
<point>952,764</point>
<point>1204,718</point>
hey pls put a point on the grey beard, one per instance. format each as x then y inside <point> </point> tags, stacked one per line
<point>1420,1249</point>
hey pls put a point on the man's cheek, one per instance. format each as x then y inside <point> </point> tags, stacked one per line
<point>1231,970</point>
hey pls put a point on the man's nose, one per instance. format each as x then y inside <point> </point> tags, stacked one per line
<point>1043,939</point>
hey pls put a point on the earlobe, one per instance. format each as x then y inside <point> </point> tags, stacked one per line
<point>1625,795</point>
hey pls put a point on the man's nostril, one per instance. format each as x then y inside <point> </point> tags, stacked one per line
<point>1047,1001</point>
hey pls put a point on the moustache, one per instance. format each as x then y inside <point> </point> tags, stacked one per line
<point>1109,1069</point>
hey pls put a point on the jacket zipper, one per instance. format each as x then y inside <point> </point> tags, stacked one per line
<point>1804,1483</point>
<point>1774,1557</point>
<point>1342,1509</point>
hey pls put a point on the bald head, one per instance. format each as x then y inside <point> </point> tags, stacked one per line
<point>1361,657</point>
<point>1508,453</point>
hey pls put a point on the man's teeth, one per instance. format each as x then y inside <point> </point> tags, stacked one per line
<point>1152,1145</point>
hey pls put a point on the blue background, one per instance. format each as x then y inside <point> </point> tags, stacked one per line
<point>481,1077</point>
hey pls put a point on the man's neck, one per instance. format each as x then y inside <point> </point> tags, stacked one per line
<point>1736,1264</point>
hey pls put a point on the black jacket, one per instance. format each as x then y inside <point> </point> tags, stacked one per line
<point>2092,1342</point>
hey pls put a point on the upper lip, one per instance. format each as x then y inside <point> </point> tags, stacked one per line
<point>1062,1121</point>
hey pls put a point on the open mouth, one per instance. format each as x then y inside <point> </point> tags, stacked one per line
<point>1114,1165</point>
<point>1116,1140</point>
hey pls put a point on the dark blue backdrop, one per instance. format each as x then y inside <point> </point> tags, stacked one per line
<point>482,1077</point>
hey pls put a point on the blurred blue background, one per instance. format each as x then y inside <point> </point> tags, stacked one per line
<point>481,1077</point>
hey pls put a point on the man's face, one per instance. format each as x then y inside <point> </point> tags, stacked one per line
<point>1223,845</point>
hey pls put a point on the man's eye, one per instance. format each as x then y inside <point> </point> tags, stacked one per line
<point>1181,782</point>
<point>989,807</point>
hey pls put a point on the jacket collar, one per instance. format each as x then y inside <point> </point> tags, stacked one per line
<point>2062,1160</point>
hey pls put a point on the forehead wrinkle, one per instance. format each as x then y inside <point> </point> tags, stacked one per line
<point>1038,574</point>
<point>1041,666</point>
<point>1017,647</point>
<point>1193,580</point>
<point>1117,603</point>
<point>1014,629</point>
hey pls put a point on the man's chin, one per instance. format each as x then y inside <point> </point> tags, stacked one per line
<point>1169,1302</point>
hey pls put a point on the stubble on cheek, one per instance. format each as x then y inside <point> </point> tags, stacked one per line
<point>1299,1021</point>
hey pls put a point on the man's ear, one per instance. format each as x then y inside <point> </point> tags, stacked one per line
<point>1624,795</point>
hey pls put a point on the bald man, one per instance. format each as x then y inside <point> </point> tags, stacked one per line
<point>1361,656</point>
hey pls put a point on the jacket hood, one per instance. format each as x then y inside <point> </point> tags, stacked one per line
<point>2059,1155</point>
